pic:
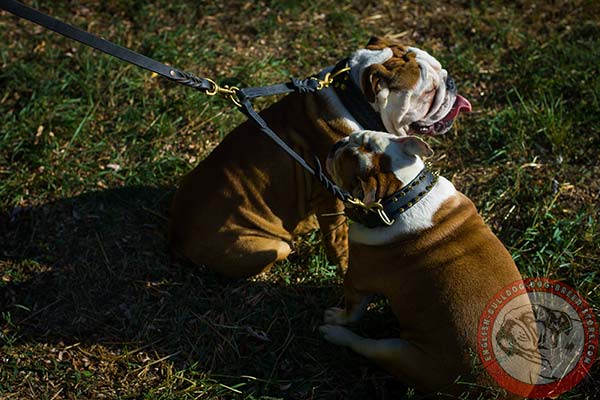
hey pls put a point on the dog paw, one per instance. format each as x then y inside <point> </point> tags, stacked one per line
<point>337,334</point>
<point>335,316</point>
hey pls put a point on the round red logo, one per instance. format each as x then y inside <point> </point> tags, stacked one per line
<point>538,338</point>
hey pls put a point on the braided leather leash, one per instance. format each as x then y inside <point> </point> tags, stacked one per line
<point>240,97</point>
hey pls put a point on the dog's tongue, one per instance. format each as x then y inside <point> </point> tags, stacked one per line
<point>460,104</point>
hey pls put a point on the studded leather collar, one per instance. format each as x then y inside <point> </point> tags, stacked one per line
<point>355,101</point>
<point>396,204</point>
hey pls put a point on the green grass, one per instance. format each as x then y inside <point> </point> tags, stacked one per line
<point>91,150</point>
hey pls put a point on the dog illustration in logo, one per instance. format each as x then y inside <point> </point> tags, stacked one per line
<point>538,343</point>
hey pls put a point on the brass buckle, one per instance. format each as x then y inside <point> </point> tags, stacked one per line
<point>355,202</point>
<point>374,206</point>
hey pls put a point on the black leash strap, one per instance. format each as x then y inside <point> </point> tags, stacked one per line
<point>105,46</point>
<point>317,172</point>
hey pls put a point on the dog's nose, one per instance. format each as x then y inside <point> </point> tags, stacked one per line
<point>450,85</point>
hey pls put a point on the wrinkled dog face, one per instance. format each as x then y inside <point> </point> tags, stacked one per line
<point>372,165</point>
<point>408,87</point>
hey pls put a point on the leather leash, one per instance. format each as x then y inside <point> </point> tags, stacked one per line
<point>240,97</point>
<point>105,46</point>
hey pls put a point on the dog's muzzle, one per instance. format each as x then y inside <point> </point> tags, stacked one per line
<point>442,126</point>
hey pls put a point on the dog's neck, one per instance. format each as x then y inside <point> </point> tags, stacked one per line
<point>339,111</point>
<point>358,62</point>
<point>416,219</point>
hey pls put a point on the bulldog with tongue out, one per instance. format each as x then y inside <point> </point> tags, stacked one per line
<point>410,89</point>
<point>240,209</point>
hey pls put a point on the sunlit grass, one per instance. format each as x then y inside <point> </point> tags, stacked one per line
<point>91,150</point>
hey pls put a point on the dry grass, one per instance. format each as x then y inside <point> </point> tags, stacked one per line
<point>92,304</point>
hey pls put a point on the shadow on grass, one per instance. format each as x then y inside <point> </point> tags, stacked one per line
<point>95,270</point>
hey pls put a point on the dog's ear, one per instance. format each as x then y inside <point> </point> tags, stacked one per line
<point>374,79</point>
<point>564,322</point>
<point>397,73</point>
<point>414,146</point>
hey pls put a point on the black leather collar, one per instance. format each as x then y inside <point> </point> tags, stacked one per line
<point>396,204</point>
<point>355,101</point>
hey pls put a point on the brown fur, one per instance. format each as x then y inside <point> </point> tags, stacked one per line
<point>437,284</point>
<point>375,183</point>
<point>401,72</point>
<point>239,209</point>
<point>380,181</point>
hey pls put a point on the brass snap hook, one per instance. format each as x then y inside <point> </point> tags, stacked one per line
<point>329,78</point>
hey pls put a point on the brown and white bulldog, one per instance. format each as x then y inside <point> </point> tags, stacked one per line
<point>238,211</point>
<point>438,264</point>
